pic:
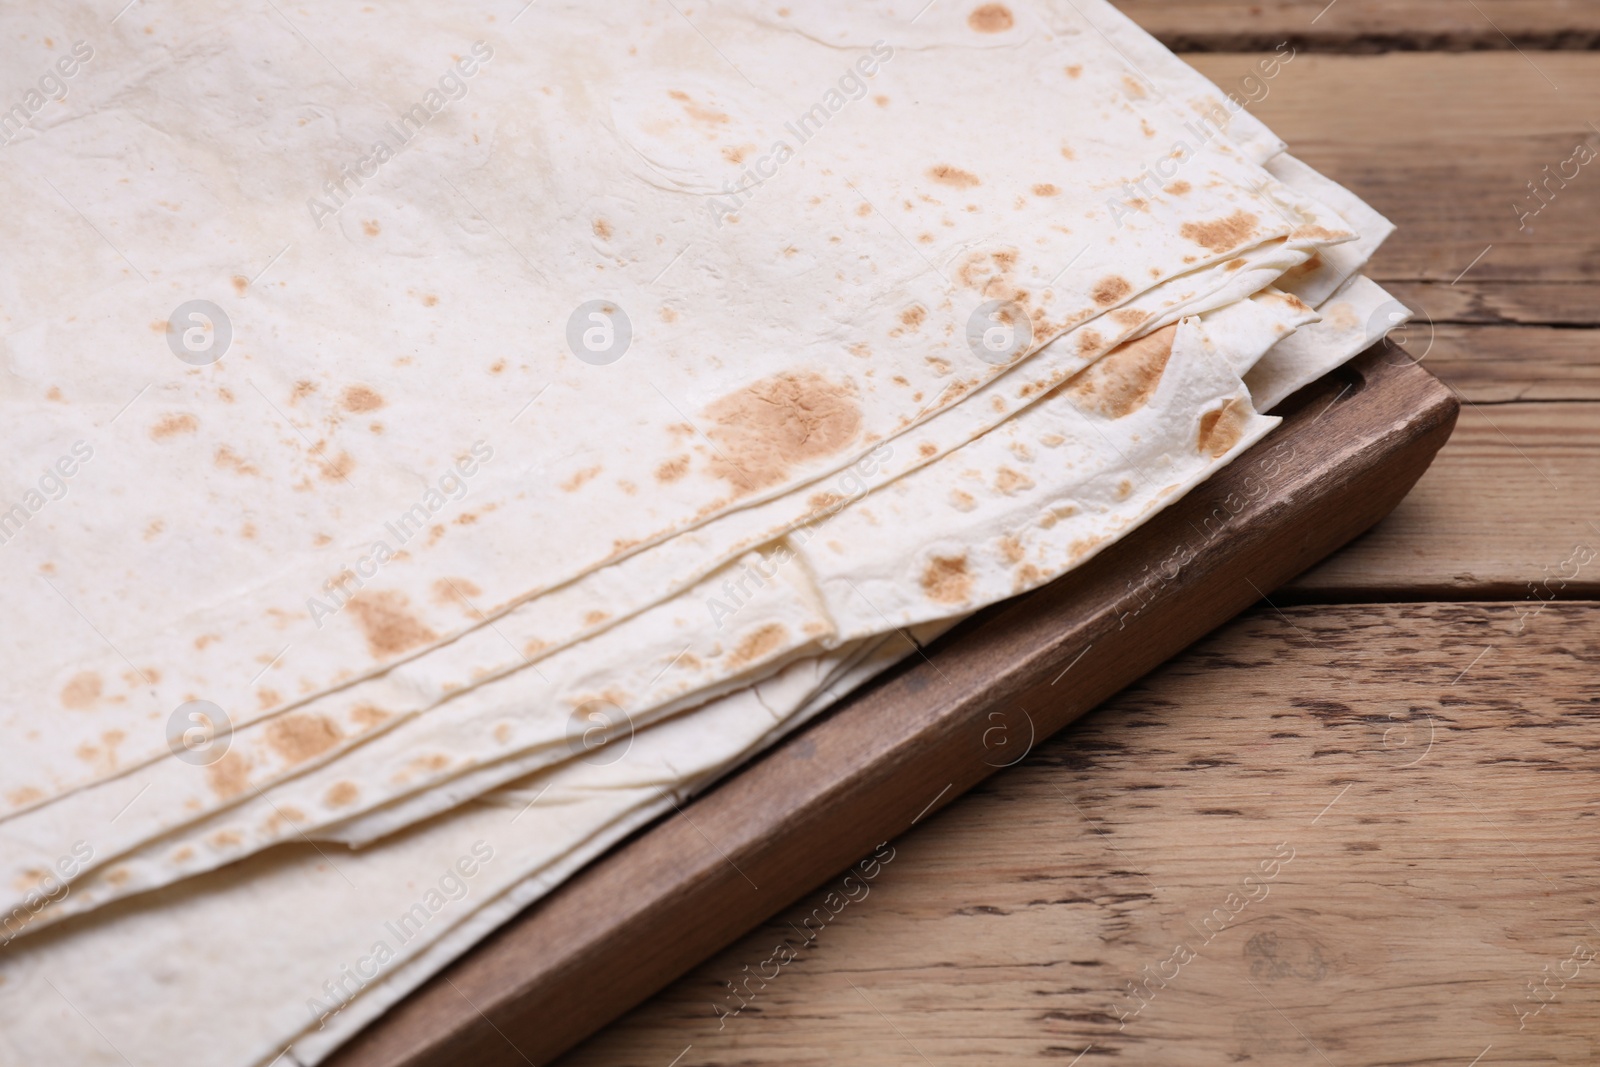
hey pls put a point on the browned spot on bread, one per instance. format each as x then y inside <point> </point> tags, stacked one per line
<point>824,501</point>
<point>1220,235</point>
<point>736,154</point>
<point>361,398</point>
<point>574,483</point>
<point>1028,577</point>
<point>1090,341</point>
<point>1045,189</point>
<point>299,737</point>
<point>429,300</point>
<point>1009,481</point>
<point>913,316</point>
<point>698,112</point>
<point>954,177</point>
<point>1012,549</point>
<point>268,698</point>
<point>1124,489</point>
<point>945,579</point>
<point>1221,427</point>
<point>341,795</point>
<point>302,388</point>
<point>668,315</point>
<point>991,18</point>
<point>183,855</point>
<point>338,467</point>
<point>368,715</point>
<point>240,284</point>
<point>1233,264</point>
<point>1125,379</point>
<point>1129,317</point>
<point>962,501</point>
<point>989,273</point>
<point>770,426</point>
<point>1111,290</point>
<point>1135,90</point>
<point>926,450</point>
<point>455,591</point>
<point>228,459</point>
<point>386,624</point>
<point>370,227</point>
<point>26,795</point>
<point>757,644</point>
<point>230,775</point>
<point>602,228</point>
<point>1319,233</point>
<point>1080,548</point>
<point>503,732</point>
<point>881,100</point>
<point>1179,188</point>
<point>82,691</point>
<point>672,469</point>
<point>225,839</point>
<point>174,424</point>
<point>1075,71</point>
<point>434,761</point>
<point>595,618</point>
<point>1289,300</point>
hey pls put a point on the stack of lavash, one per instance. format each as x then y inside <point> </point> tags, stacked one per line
<point>466,433</point>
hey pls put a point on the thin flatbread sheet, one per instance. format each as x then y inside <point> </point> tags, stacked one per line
<point>394,269</point>
<point>96,966</point>
<point>1014,509</point>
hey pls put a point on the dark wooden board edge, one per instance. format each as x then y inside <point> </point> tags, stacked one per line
<point>1350,448</point>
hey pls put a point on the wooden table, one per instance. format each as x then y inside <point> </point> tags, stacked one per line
<point>1359,825</point>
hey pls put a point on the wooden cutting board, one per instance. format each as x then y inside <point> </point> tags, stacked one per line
<point>1350,448</point>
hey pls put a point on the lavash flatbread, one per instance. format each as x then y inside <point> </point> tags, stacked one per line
<point>294,479</point>
<point>229,835</point>
<point>1003,514</point>
<point>85,961</point>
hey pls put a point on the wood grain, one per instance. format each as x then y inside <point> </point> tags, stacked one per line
<point>1444,144</point>
<point>1367,25</point>
<point>1443,827</point>
<point>1508,511</point>
<point>923,735</point>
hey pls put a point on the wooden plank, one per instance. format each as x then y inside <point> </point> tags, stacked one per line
<point>1508,511</point>
<point>1367,25</point>
<point>1445,146</point>
<point>1500,364</point>
<point>1486,301</point>
<point>659,904</point>
<point>1428,885</point>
